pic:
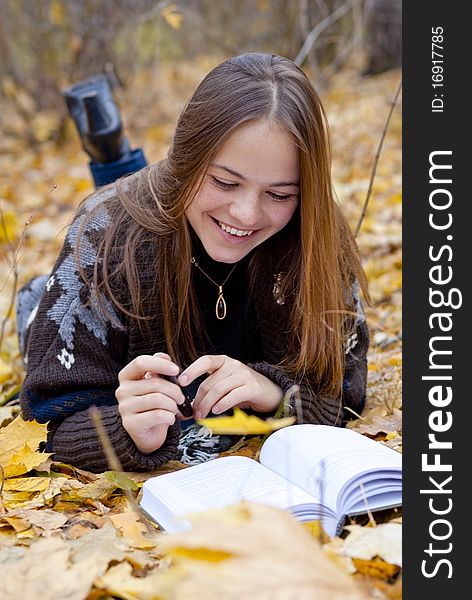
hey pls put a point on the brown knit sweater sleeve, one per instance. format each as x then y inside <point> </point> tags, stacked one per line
<point>314,407</point>
<point>75,441</point>
<point>74,353</point>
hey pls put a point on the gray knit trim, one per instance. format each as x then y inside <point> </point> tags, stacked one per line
<point>68,309</point>
<point>27,303</point>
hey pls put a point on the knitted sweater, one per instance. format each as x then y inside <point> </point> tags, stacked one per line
<point>74,354</point>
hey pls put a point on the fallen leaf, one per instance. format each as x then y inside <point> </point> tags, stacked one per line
<point>240,423</point>
<point>278,558</point>
<point>19,442</point>
<point>120,481</point>
<point>172,16</point>
<point>44,519</point>
<point>375,424</point>
<point>376,567</point>
<point>45,568</point>
<point>133,529</point>
<point>384,540</point>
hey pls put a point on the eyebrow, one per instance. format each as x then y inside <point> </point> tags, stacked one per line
<point>236,174</point>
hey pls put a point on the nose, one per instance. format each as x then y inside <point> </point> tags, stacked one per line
<point>246,210</point>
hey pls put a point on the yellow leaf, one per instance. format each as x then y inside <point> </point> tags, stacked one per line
<point>27,484</point>
<point>132,529</point>
<point>243,424</point>
<point>205,554</point>
<point>17,523</point>
<point>56,12</point>
<point>375,568</point>
<point>21,491</point>
<point>24,461</point>
<point>19,443</point>
<point>8,227</point>
<point>316,531</point>
<point>6,371</point>
<point>172,16</point>
<point>120,480</point>
<point>395,361</point>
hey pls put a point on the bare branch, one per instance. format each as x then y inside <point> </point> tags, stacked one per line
<point>376,159</point>
<point>14,267</point>
<point>115,465</point>
<point>318,29</point>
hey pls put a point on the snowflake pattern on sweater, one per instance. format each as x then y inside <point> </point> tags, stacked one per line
<point>68,308</point>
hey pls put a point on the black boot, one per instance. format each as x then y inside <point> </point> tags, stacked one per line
<point>96,115</point>
<point>93,109</point>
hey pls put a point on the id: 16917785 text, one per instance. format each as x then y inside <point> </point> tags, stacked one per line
<point>437,69</point>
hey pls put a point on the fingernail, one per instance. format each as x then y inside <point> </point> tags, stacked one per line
<point>174,368</point>
<point>183,379</point>
<point>216,410</point>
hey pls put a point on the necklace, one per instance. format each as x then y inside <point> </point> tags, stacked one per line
<point>220,308</point>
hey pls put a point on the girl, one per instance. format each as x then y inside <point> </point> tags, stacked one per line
<point>227,264</point>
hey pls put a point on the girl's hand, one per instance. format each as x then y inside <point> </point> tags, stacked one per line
<point>147,403</point>
<point>231,383</point>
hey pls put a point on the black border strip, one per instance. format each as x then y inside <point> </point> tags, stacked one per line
<point>435,567</point>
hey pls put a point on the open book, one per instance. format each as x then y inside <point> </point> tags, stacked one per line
<point>314,471</point>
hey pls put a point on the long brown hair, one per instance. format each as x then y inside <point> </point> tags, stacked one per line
<point>317,252</point>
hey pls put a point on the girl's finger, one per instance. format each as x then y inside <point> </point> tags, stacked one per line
<point>137,368</point>
<point>140,404</point>
<point>205,364</point>
<point>237,397</point>
<point>216,392</point>
<point>149,419</point>
<point>152,385</point>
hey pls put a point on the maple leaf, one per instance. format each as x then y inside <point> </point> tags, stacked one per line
<point>19,442</point>
<point>241,423</point>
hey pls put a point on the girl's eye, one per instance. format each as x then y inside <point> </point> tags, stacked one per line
<point>223,184</point>
<point>281,198</point>
<point>232,186</point>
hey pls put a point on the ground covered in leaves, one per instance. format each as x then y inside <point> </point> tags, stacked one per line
<point>73,534</point>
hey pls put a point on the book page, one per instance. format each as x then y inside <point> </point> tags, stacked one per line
<point>215,484</point>
<point>322,460</point>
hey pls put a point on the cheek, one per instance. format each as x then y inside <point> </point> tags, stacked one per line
<point>282,216</point>
<point>208,198</point>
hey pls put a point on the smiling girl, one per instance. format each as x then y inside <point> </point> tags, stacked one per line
<point>228,264</point>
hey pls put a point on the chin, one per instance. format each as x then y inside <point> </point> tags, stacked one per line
<point>222,256</point>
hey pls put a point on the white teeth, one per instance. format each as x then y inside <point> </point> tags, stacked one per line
<point>233,231</point>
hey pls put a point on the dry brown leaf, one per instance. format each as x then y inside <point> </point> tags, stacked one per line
<point>133,529</point>
<point>384,540</point>
<point>250,448</point>
<point>376,567</point>
<point>43,571</point>
<point>374,424</point>
<point>270,556</point>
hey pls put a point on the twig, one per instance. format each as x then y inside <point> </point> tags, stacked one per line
<point>2,474</point>
<point>354,413</point>
<point>318,29</point>
<point>155,11</point>
<point>376,159</point>
<point>115,465</point>
<point>14,267</point>
<point>368,511</point>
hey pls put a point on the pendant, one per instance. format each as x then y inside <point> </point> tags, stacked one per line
<point>220,305</point>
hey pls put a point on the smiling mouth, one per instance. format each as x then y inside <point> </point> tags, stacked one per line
<point>233,230</point>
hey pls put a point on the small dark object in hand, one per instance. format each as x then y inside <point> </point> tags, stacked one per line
<point>186,407</point>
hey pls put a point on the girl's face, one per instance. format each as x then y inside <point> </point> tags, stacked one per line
<point>251,189</point>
